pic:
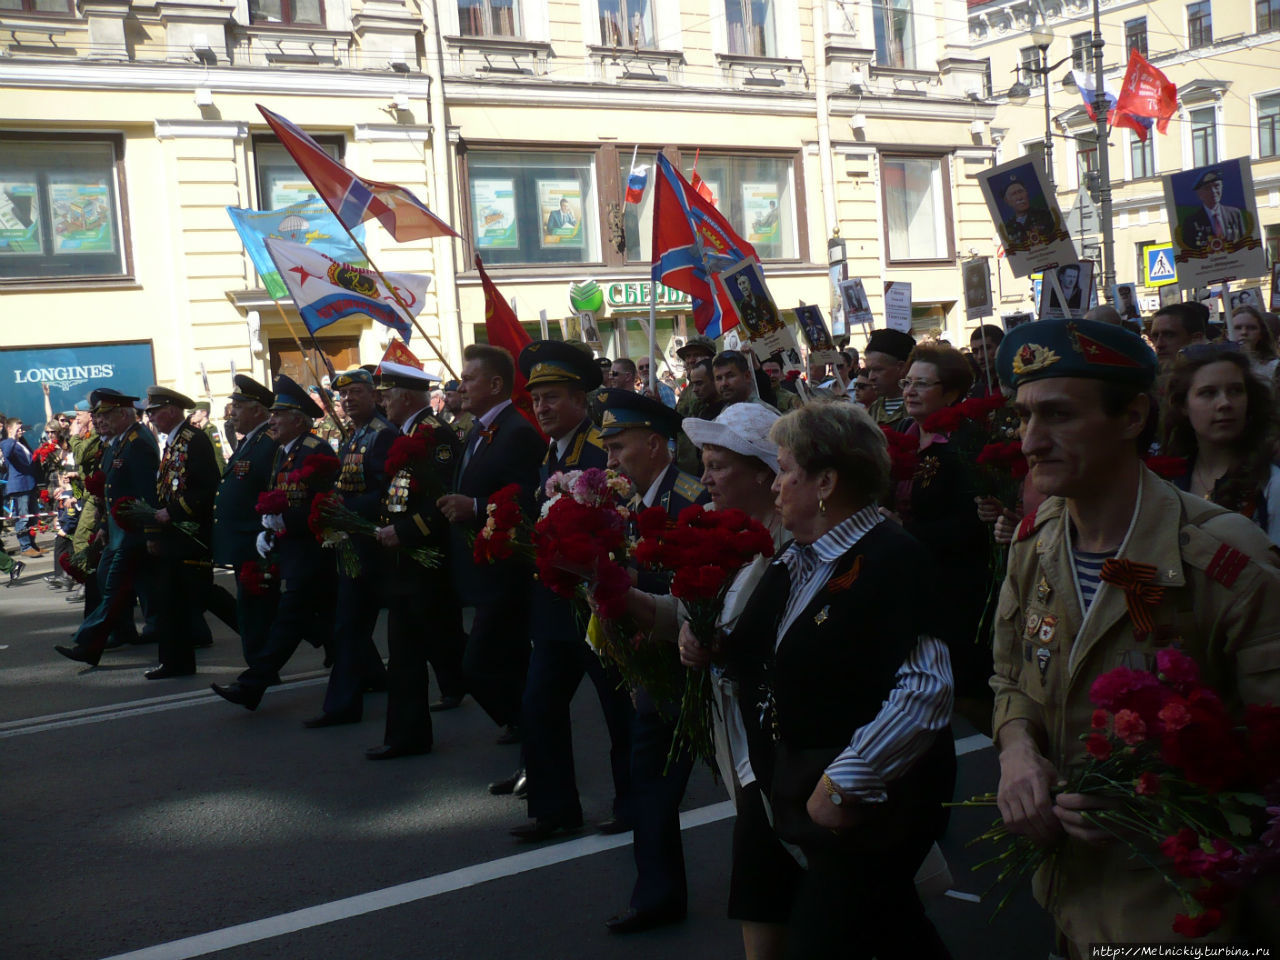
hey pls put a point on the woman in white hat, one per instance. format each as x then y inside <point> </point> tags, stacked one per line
<point>740,463</point>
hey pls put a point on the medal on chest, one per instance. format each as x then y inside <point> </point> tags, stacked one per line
<point>398,492</point>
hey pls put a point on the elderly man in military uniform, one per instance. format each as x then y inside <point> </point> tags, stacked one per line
<point>1113,566</point>
<point>1026,227</point>
<point>453,415</point>
<point>410,519</point>
<point>129,460</point>
<point>181,574</point>
<point>362,482</point>
<point>236,522</point>
<point>306,572</point>
<point>636,433</point>
<point>559,376</point>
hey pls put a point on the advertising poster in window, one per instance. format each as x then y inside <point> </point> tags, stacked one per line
<point>1026,215</point>
<point>560,212</point>
<point>1214,221</point>
<point>756,312</point>
<point>821,347</point>
<point>19,218</point>
<point>897,305</point>
<point>977,289</point>
<point>82,217</point>
<point>493,214</point>
<point>762,215</point>
<point>70,373</point>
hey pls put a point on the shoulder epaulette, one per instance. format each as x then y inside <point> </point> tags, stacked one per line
<point>311,441</point>
<point>1227,564</point>
<point>593,436</point>
<point>687,487</point>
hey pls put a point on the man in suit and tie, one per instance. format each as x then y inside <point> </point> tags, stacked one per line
<point>236,524</point>
<point>1213,219</point>
<point>559,375</point>
<point>637,431</point>
<point>181,571</point>
<point>304,466</point>
<point>129,463</point>
<point>502,448</point>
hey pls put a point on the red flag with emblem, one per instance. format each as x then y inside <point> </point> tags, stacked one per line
<point>504,330</point>
<point>1146,92</point>
<point>397,352</point>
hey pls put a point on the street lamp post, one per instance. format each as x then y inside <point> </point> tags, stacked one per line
<point>1104,159</point>
<point>1020,93</point>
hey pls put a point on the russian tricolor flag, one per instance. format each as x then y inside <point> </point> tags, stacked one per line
<point>636,183</point>
<point>1124,118</point>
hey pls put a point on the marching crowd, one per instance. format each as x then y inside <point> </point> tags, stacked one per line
<point>914,576</point>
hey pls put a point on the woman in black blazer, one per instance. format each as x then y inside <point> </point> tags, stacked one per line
<point>853,694</point>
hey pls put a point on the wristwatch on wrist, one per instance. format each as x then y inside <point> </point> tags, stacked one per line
<point>833,792</point>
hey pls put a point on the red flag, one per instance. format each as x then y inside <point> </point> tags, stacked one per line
<point>1146,92</point>
<point>504,330</point>
<point>352,198</point>
<point>701,187</point>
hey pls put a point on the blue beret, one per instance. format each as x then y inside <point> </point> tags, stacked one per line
<point>554,361</point>
<point>353,376</point>
<point>82,406</point>
<point>624,410</point>
<point>1088,349</point>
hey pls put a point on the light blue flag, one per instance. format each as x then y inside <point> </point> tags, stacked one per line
<point>310,223</point>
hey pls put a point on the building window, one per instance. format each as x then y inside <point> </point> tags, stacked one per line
<point>757,197</point>
<point>38,6</point>
<point>60,208</point>
<point>1142,156</point>
<point>1135,35</point>
<point>533,207</point>
<point>489,18</point>
<point>1272,234</point>
<point>309,13</point>
<point>1086,156</point>
<point>1032,60</point>
<point>917,212</point>
<point>1269,126</point>
<point>1204,137</point>
<point>626,23</point>
<point>280,182</point>
<point>1199,25</point>
<point>895,39</point>
<point>988,85</point>
<point>1081,50</point>
<point>752,31</point>
<point>1268,15</point>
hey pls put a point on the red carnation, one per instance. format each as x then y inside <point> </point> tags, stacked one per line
<point>904,450</point>
<point>43,451</point>
<point>1099,747</point>
<point>652,521</point>
<point>978,407</point>
<point>1100,719</point>
<point>1177,669</point>
<point>1170,468</point>
<point>405,452</point>
<point>1174,715</point>
<point>946,420</point>
<point>1148,785</point>
<point>71,569</point>
<point>1130,727</point>
<point>96,484</point>
<point>319,467</point>
<point>44,498</point>
<point>120,510</point>
<point>272,501</point>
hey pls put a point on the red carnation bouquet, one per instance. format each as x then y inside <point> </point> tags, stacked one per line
<point>42,452</point>
<point>332,523</point>
<point>272,502</point>
<point>95,484</point>
<point>703,550</point>
<point>138,516</point>
<point>506,533</point>
<point>259,577</point>
<point>1192,792</point>
<point>316,469</point>
<point>72,568</point>
<point>418,456</point>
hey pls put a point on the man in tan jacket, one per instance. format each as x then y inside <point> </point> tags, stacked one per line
<point>1063,617</point>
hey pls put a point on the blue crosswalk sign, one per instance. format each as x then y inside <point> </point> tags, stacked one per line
<point>1158,260</point>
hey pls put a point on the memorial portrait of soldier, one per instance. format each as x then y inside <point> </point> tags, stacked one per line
<point>751,301</point>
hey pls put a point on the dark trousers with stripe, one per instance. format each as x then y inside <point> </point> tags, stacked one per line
<point>116,579</point>
<point>655,810</point>
<point>356,661</point>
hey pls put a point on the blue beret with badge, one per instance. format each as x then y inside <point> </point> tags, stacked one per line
<point>624,410</point>
<point>290,395</point>
<point>1087,349</point>
<point>545,362</point>
<point>348,378</point>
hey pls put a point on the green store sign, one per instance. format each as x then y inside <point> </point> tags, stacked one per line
<point>623,295</point>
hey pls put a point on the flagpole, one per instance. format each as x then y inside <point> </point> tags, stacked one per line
<point>635,151</point>
<point>403,306</point>
<point>324,394</point>
<point>1104,158</point>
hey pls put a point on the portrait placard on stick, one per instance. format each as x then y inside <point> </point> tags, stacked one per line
<point>897,305</point>
<point>822,348</point>
<point>1213,219</point>
<point>754,307</point>
<point>976,274</point>
<point>853,297</point>
<point>1026,215</point>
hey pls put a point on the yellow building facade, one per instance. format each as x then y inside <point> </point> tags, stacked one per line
<point>126,130</point>
<point>1224,57</point>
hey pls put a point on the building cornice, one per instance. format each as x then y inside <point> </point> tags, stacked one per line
<point>201,129</point>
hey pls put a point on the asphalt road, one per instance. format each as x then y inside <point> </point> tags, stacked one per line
<point>151,819</point>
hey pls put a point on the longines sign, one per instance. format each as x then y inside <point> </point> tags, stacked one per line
<point>70,373</point>
<point>625,295</point>
<point>64,378</point>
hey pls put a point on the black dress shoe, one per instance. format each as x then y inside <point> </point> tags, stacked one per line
<point>331,720</point>
<point>541,830</point>
<point>513,734</point>
<point>79,653</point>
<point>632,920</point>
<point>247,697</point>
<point>164,672</point>
<point>614,825</point>
<point>388,752</point>
<point>445,703</point>
<point>517,784</point>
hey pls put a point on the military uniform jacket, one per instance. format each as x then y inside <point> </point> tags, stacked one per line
<point>186,485</point>
<point>409,503</point>
<point>884,418</point>
<point>297,550</point>
<point>129,465</point>
<point>88,453</point>
<point>1221,605</point>
<point>362,478</point>
<point>1035,227</point>
<point>215,440</point>
<point>236,524</point>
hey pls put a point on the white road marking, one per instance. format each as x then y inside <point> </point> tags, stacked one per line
<point>136,708</point>
<point>404,893</point>
<point>972,744</point>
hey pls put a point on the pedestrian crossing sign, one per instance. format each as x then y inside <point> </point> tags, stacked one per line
<point>1157,259</point>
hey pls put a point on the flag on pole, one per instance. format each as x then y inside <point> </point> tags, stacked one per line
<point>325,289</point>
<point>352,198</point>
<point>504,330</point>
<point>400,359</point>
<point>636,183</point>
<point>692,241</point>
<point>1117,118</point>
<point>1146,92</point>
<point>309,222</point>
<point>700,187</point>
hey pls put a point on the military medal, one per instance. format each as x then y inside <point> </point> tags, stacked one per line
<point>1048,627</point>
<point>1033,625</point>
<point>1043,591</point>
<point>1043,656</point>
<point>821,617</point>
